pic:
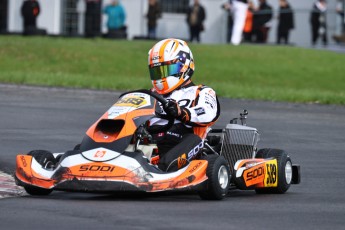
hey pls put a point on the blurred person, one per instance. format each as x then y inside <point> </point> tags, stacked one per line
<point>30,10</point>
<point>318,22</point>
<point>340,36</point>
<point>92,24</point>
<point>238,9</point>
<point>261,21</point>
<point>230,20</point>
<point>195,17</point>
<point>340,8</point>
<point>116,18</point>
<point>153,14</point>
<point>3,16</point>
<point>340,11</point>
<point>285,22</point>
<point>248,26</point>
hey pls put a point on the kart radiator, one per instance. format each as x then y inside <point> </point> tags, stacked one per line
<point>239,142</point>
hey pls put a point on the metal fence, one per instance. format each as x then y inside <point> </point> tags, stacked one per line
<point>176,6</point>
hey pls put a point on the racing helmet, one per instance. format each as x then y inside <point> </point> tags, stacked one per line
<point>171,64</point>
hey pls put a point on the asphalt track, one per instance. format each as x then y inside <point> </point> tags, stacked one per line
<point>56,119</point>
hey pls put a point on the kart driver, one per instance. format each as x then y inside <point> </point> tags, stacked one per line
<point>194,107</point>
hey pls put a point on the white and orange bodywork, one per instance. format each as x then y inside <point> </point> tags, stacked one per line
<point>122,173</point>
<point>256,173</point>
<point>105,163</point>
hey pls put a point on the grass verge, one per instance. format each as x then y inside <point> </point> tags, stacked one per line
<point>274,73</point>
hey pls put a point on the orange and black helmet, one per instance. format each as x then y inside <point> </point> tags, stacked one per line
<point>171,64</point>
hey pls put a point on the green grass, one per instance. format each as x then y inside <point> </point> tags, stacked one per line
<point>247,71</point>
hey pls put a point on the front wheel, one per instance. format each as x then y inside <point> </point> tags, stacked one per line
<point>284,170</point>
<point>216,187</point>
<point>45,158</point>
<point>37,191</point>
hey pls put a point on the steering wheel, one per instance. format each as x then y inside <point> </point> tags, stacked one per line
<point>164,102</point>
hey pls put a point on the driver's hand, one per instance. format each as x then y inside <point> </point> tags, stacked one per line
<point>173,109</point>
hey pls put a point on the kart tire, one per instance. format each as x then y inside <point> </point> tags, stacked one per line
<point>37,191</point>
<point>284,170</point>
<point>44,158</point>
<point>216,187</point>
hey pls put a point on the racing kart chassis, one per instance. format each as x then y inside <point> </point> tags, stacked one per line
<point>115,155</point>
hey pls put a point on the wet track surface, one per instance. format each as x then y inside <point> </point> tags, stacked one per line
<point>56,119</point>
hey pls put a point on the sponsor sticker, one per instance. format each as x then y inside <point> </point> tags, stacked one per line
<point>211,92</point>
<point>199,111</point>
<point>195,167</point>
<point>96,168</point>
<point>173,134</point>
<point>129,103</point>
<point>133,101</point>
<point>195,150</point>
<point>254,175</point>
<point>181,161</point>
<point>211,101</point>
<point>271,175</point>
<point>22,158</point>
<point>100,153</point>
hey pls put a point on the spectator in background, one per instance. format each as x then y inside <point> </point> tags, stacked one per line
<point>116,19</point>
<point>195,18</point>
<point>30,11</point>
<point>239,11</point>
<point>230,20</point>
<point>261,23</point>
<point>340,36</point>
<point>318,22</point>
<point>286,22</point>
<point>93,18</point>
<point>248,26</point>
<point>340,11</point>
<point>154,12</point>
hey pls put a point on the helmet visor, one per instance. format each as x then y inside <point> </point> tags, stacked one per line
<point>162,71</point>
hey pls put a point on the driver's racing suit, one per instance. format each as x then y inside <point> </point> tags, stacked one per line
<point>184,140</point>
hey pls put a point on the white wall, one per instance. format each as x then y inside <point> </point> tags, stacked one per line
<point>174,25</point>
<point>14,16</point>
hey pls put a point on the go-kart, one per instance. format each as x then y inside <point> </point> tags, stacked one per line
<point>117,154</point>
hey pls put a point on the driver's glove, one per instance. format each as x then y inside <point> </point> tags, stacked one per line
<point>175,111</point>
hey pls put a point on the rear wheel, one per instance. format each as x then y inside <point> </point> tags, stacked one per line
<point>216,187</point>
<point>284,170</point>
